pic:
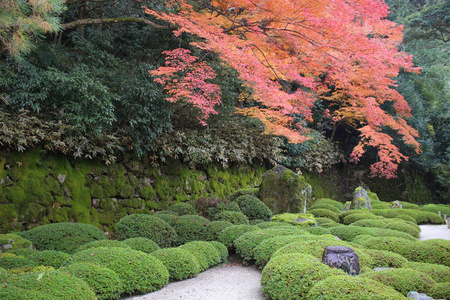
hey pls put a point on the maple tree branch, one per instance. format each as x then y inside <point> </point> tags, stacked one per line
<point>81,22</point>
<point>68,2</point>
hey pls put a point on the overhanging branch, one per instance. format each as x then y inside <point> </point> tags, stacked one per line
<point>81,22</point>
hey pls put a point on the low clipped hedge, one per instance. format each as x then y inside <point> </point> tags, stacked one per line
<point>380,232</point>
<point>325,213</point>
<point>105,283</point>
<point>10,261</point>
<point>254,208</point>
<point>322,221</point>
<point>180,263</point>
<point>327,206</point>
<point>102,243</point>
<point>264,225</point>
<point>356,217</point>
<point>353,287</point>
<point>351,212</point>
<point>214,228</point>
<point>386,259</point>
<point>440,291</point>
<point>264,251</point>
<point>222,249</point>
<point>439,273</point>
<point>140,272</point>
<point>190,228</point>
<point>66,237</point>
<point>183,209</point>
<point>14,241</point>
<point>169,218</point>
<point>229,234</point>
<point>318,230</point>
<point>142,244</point>
<point>407,218</point>
<point>402,280</point>
<point>327,201</point>
<point>205,253</point>
<point>348,233</point>
<point>142,225</point>
<point>421,217</point>
<point>46,285</point>
<point>235,217</point>
<point>49,258</point>
<point>393,244</point>
<point>434,251</point>
<point>392,224</point>
<point>291,276</point>
<point>436,208</point>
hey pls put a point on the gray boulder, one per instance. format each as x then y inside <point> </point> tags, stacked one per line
<point>361,199</point>
<point>341,257</point>
<point>418,296</point>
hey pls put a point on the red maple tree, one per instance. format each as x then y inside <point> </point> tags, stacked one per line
<point>346,48</point>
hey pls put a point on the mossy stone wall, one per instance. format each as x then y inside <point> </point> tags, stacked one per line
<point>40,188</point>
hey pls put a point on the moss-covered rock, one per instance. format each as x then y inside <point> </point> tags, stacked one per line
<point>10,241</point>
<point>282,190</point>
<point>298,219</point>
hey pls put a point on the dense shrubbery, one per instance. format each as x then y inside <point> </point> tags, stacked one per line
<point>183,209</point>
<point>318,230</point>
<point>440,291</point>
<point>104,282</point>
<point>356,217</point>
<point>140,272</point>
<point>325,205</point>
<point>386,259</point>
<point>421,217</point>
<point>206,254</point>
<point>222,249</point>
<point>264,225</point>
<point>141,225</point>
<point>235,217</point>
<point>402,280</point>
<point>254,208</point>
<point>49,258</point>
<point>103,243</point>
<point>325,213</point>
<point>393,224</point>
<point>180,263</point>
<point>429,251</point>
<point>249,191</point>
<point>12,261</point>
<point>291,276</point>
<point>190,228</point>
<point>229,234</point>
<point>141,244</point>
<point>66,237</point>
<point>354,288</point>
<point>214,228</point>
<point>265,249</point>
<point>393,244</point>
<point>169,218</point>
<point>348,233</point>
<point>439,273</point>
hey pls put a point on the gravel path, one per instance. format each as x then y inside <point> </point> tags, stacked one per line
<point>238,282</point>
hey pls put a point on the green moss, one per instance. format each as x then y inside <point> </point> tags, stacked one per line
<point>11,242</point>
<point>147,193</point>
<point>8,214</point>
<point>290,218</point>
<point>96,191</point>
<point>52,185</point>
<point>58,214</point>
<point>133,203</point>
<point>127,191</point>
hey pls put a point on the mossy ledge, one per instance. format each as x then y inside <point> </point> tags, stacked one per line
<point>38,188</point>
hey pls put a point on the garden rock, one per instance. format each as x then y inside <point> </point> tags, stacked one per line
<point>282,190</point>
<point>396,204</point>
<point>340,257</point>
<point>418,296</point>
<point>361,199</point>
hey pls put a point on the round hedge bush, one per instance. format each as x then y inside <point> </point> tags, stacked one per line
<point>439,273</point>
<point>348,233</point>
<point>407,218</point>
<point>386,259</point>
<point>434,251</point>
<point>235,217</point>
<point>402,280</point>
<point>393,244</point>
<point>190,228</point>
<point>391,224</point>
<point>10,292</point>
<point>318,230</point>
<point>140,272</point>
<point>382,232</point>
<point>11,261</point>
<point>214,228</point>
<point>264,225</point>
<point>291,276</point>
<point>49,258</point>
<point>356,217</point>
<point>229,234</point>
<point>249,191</point>
<point>351,212</point>
<point>15,241</point>
<point>223,251</point>
<point>440,291</point>
<point>322,221</point>
<point>353,287</point>
<point>180,263</point>
<point>264,251</point>
<point>142,244</point>
<point>25,252</point>
<point>142,225</point>
<point>102,243</point>
<point>325,213</point>
<point>325,206</point>
<point>105,283</point>
<point>66,237</point>
<point>436,208</point>
<point>48,285</point>
<point>169,218</point>
<point>205,253</point>
<point>337,204</point>
<point>254,208</point>
<point>183,209</point>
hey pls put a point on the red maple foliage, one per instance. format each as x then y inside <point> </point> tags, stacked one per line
<point>346,48</point>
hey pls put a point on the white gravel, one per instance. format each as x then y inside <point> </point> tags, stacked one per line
<point>238,282</point>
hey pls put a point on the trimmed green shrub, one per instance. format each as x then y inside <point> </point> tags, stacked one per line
<point>337,204</point>
<point>325,213</point>
<point>326,206</point>
<point>318,230</point>
<point>291,276</point>
<point>183,209</point>
<point>392,224</point>
<point>351,212</point>
<point>12,261</point>
<point>402,280</point>
<point>348,233</point>
<point>359,239</point>
<point>190,228</point>
<point>407,218</point>
<point>180,263</point>
<point>169,218</point>
<point>66,237</point>
<point>105,283</point>
<point>308,219</point>
<point>321,221</point>
<point>214,228</point>
<point>142,244</point>
<point>234,217</point>
<point>3,272</point>
<point>246,244</point>
<point>32,269</point>
<point>250,191</point>
<point>205,205</point>
<point>229,234</point>
<point>48,285</point>
<point>311,246</point>
<point>356,217</point>
<point>440,291</point>
<point>265,249</point>
<point>264,225</point>
<point>142,225</point>
<point>10,292</point>
<point>49,258</point>
<point>102,243</point>
<point>205,253</point>
<point>353,287</point>
<point>421,217</point>
<point>436,208</point>
<point>223,251</point>
<point>15,241</point>
<point>393,244</point>
<point>25,252</point>
<point>380,205</point>
<point>140,272</point>
<point>380,232</point>
<point>386,259</point>
<point>434,251</point>
<point>407,205</point>
<point>254,208</point>
<point>439,273</point>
